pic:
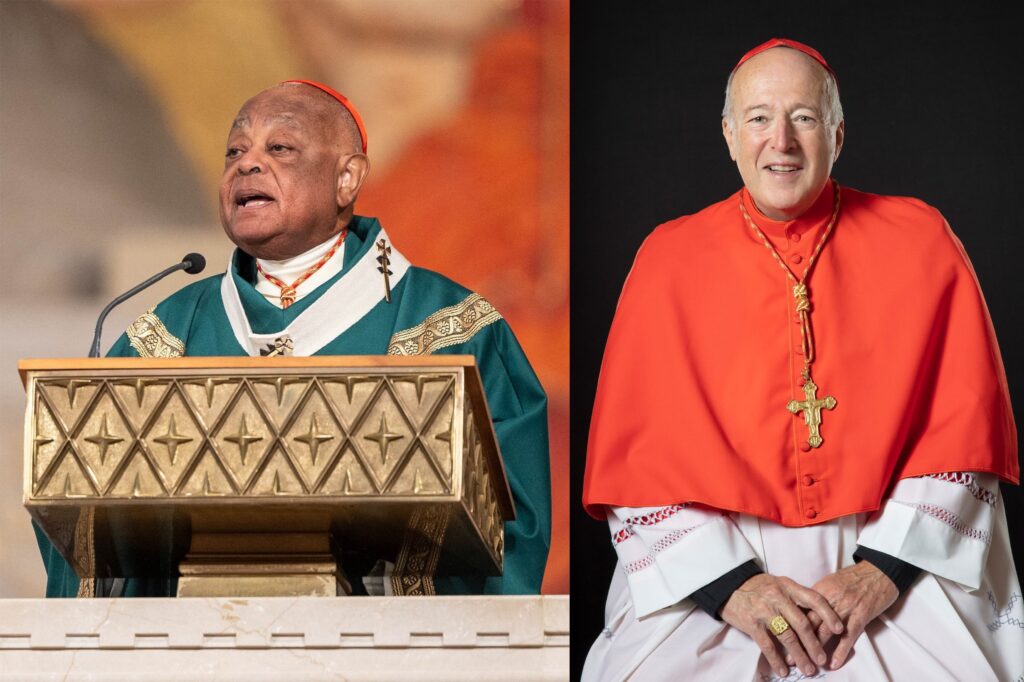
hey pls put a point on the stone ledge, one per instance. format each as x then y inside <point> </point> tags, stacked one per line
<point>281,638</point>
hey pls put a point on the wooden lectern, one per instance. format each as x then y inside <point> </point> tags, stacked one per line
<point>249,476</point>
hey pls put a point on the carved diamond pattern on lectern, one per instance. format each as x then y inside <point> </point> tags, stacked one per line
<point>138,396</point>
<point>278,477</point>
<point>279,395</point>
<point>243,438</point>
<point>350,395</point>
<point>313,437</point>
<point>419,476</point>
<point>356,435</point>
<point>102,439</point>
<point>173,438</point>
<point>208,478</point>
<point>67,479</point>
<point>68,398</point>
<point>427,469</point>
<point>420,393</point>
<point>479,492</point>
<point>48,441</point>
<point>382,434</point>
<point>137,479</point>
<point>472,470</point>
<point>349,477</point>
<point>208,396</point>
<point>428,400</point>
<point>437,435</point>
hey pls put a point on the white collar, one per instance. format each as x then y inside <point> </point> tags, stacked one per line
<point>340,307</point>
<point>290,269</point>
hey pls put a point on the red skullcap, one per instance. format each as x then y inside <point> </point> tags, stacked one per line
<point>344,102</point>
<point>783,42</point>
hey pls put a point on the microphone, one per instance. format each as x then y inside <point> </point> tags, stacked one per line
<point>196,263</point>
<point>193,264</point>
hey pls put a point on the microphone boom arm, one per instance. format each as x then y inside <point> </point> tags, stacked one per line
<point>192,263</point>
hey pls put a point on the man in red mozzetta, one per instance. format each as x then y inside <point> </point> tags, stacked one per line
<point>797,437</point>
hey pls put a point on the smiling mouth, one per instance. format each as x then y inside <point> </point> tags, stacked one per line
<point>782,168</point>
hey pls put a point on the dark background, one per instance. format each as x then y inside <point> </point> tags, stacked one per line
<point>934,108</point>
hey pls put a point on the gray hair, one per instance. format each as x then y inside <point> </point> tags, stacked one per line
<point>833,108</point>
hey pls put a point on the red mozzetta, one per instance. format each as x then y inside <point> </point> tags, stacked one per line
<point>704,355</point>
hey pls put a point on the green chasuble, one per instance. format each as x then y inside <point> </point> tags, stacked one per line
<point>348,315</point>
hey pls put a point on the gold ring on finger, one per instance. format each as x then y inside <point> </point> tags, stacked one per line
<point>778,625</point>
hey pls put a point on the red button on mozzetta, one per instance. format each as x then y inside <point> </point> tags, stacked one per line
<point>796,258</point>
<point>805,446</point>
<point>795,237</point>
<point>808,480</point>
<point>811,513</point>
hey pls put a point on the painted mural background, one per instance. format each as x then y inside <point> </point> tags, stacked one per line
<point>113,117</point>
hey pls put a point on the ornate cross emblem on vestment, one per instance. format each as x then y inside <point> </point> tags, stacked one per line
<point>385,263</point>
<point>811,407</point>
<point>282,346</point>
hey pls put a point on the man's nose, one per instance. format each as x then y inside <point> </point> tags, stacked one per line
<point>783,137</point>
<point>249,164</point>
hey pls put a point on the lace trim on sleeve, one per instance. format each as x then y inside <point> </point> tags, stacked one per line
<point>650,519</point>
<point>952,520</point>
<point>969,481</point>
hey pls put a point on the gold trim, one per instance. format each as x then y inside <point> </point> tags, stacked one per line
<point>150,338</point>
<point>446,327</point>
<point>85,552</point>
<point>421,552</point>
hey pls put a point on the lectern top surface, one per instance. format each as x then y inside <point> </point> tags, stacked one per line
<point>290,362</point>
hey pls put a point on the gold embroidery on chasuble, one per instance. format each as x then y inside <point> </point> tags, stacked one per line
<point>85,551</point>
<point>150,338</point>
<point>447,327</point>
<point>421,552</point>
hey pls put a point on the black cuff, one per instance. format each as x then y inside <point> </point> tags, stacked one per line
<point>712,597</point>
<point>899,571</point>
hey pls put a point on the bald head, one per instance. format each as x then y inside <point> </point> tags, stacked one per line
<point>333,121</point>
<point>831,107</point>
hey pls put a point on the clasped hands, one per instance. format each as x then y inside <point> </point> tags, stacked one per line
<point>840,604</point>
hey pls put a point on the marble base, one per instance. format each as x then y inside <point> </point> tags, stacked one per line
<point>285,638</point>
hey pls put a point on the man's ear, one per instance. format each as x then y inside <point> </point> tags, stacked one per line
<point>352,171</point>
<point>840,136</point>
<point>727,134</point>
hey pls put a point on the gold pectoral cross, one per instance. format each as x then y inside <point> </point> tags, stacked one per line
<point>282,346</point>
<point>811,407</point>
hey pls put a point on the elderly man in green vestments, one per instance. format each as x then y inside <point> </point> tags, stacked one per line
<point>309,277</point>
